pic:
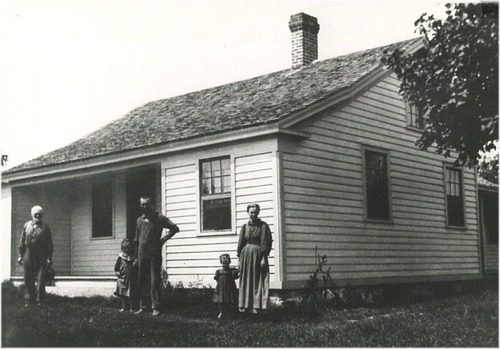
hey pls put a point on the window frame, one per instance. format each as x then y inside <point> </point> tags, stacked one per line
<point>201,197</point>
<point>411,110</point>
<point>112,209</point>
<point>447,166</point>
<point>387,154</point>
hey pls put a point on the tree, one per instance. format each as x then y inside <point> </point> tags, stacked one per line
<point>453,80</point>
<point>488,167</point>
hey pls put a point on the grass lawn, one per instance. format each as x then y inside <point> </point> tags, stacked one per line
<point>466,320</point>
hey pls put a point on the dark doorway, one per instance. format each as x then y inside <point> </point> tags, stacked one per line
<point>489,218</point>
<point>141,182</point>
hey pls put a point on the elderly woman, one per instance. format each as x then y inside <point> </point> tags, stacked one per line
<point>254,245</point>
<point>35,253</point>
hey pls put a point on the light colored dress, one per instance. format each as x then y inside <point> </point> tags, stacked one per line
<point>254,243</point>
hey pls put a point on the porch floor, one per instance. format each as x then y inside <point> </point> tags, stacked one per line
<point>78,286</point>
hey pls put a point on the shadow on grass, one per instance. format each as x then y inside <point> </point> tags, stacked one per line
<point>463,320</point>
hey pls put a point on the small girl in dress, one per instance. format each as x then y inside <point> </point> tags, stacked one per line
<point>225,293</point>
<point>126,271</point>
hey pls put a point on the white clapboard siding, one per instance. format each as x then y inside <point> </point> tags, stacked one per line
<point>181,200</point>
<point>191,256</point>
<point>324,199</point>
<point>96,256</point>
<point>255,186</point>
<point>56,204</point>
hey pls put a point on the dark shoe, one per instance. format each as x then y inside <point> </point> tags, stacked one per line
<point>156,312</point>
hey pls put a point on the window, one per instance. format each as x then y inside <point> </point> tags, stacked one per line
<point>377,186</point>
<point>414,116</point>
<point>215,194</point>
<point>454,197</point>
<point>102,210</point>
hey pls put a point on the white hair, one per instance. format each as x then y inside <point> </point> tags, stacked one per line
<point>36,209</point>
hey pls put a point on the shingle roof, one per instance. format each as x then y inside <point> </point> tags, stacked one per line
<point>482,182</point>
<point>264,99</point>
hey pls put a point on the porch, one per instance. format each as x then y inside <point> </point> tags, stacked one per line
<point>89,217</point>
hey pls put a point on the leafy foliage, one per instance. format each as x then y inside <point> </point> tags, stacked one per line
<point>488,168</point>
<point>316,290</point>
<point>454,80</point>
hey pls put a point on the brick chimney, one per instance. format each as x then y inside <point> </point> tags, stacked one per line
<point>305,30</point>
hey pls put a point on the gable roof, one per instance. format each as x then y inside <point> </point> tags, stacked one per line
<point>262,100</point>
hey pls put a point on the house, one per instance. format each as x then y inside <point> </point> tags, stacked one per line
<point>327,148</point>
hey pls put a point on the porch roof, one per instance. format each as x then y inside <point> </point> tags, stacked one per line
<point>261,100</point>
<point>483,183</point>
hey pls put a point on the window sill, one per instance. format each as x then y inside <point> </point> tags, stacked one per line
<point>377,221</point>
<point>101,238</point>
<point>461,228</point>
<point>414,128</point>
<point>216,233</point>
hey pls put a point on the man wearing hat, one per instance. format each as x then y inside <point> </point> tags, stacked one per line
<point>35,253</point>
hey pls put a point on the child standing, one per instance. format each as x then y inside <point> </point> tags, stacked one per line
<point>225,293</point>
<point>126,271</point>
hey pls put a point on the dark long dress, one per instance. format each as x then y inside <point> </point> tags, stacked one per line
<point>226,291</point>
<point>254,243</point>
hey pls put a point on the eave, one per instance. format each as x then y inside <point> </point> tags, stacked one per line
<point>346,93</point>
<point>338,97</point>
<point>142,156</point>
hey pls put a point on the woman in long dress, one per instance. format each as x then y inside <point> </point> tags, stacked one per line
<point>254,245</point>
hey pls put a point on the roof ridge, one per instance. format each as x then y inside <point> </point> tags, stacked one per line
<point>279,71</point>
<point>257,100</point>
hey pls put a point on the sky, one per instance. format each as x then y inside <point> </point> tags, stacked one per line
<point>69,67</point>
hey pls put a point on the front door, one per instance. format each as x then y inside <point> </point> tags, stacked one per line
<point>140,183</point>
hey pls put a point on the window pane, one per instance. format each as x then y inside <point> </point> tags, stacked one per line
<point>453,182</point>
<point>206,186</point>
<point>217,214</point>
<point>415,116</point>
<point>455,211</point>
<point>377,203</point>
<point>215,183</point>
<point>216,168</point>
<point>454,197</point>
<point>217,186</point>
<point>377,189</point>
<point>226,184</point>
<point>206,171</point>
<point>102,210</point>
<point>226,167</point>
